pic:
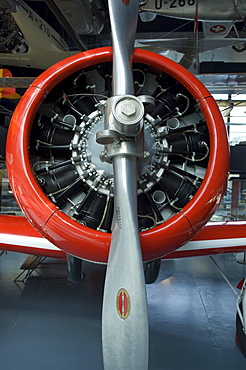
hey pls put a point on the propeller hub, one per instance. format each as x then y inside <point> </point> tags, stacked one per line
<point>127,113</point>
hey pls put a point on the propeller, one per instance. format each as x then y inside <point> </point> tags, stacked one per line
<point>124,316</point>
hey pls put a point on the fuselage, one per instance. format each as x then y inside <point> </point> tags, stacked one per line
<point>206,10</point>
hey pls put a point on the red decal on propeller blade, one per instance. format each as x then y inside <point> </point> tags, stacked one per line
<point>123,304</point>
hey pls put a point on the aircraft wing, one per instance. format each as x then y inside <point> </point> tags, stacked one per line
<point>215,238</point>
<point>184,44</point>
<point>17,235</point>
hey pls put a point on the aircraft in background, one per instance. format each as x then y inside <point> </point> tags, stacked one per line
<point>30,41</point>
<point>202,10</point>
<point>219,26</point>
<point>113,163</point>
<point>23,27</point>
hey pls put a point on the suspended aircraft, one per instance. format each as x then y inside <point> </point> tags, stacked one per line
<point>120,157</point>
<point>228,11</point>
<point>24,26</point>
<point>219,21</point>
<point>28,40</point>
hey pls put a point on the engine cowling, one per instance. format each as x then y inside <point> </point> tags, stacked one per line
<point>64,184</point>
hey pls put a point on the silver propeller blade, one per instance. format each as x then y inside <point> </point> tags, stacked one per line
<point>123,20</point>
<point>124,317</point>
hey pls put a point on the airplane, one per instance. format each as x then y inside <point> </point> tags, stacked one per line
<point>116,153</point>
<point>30,42</point>
<point>231,11</point>
<point>219,26</point>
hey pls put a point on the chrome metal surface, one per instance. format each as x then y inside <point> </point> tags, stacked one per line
<point>123,19</point>
<point>125,338</point>
<point>123,128</point>
<point>125,335</point>
<point>128,112</point>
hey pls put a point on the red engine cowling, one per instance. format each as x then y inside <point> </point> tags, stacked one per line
<point>66,191</point>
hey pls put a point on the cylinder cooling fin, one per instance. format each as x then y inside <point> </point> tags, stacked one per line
<point>65,186</point>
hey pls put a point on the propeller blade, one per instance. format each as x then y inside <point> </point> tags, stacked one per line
<point>123,19</point>
<point>124,318</point>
